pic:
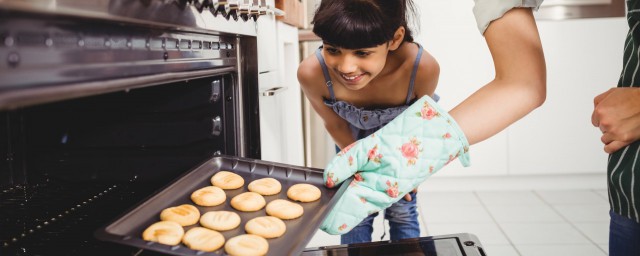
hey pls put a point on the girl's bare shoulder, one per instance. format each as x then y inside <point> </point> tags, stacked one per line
<point>310,76</point>
<point>427,74</point>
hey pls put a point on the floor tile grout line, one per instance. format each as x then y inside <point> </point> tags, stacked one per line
<point>421,219</point>
<point>568,221</point>
<point>606,198</point>
<point>420,214</point>
<point>475,193</point>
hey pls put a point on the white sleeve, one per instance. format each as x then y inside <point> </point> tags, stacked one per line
<point>487,11</point>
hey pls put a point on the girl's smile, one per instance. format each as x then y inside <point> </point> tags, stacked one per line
<point>352,79</point>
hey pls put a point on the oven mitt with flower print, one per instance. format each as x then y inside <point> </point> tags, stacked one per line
<point>391,162</point>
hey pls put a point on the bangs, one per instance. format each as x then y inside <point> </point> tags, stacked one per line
<point>352,27</point>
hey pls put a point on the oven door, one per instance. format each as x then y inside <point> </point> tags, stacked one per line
<point>447,245</point>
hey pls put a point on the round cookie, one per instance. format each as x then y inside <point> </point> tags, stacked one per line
<point>247,245</point>
<point>227,180</point>
<point>184,215</point>
<point>266,226</point>
<point>304,193</point>
<point>220,220</point>
<point>284,209</point>
<point>248,202</point>
<point>202,239</point>
<point>265,186</point>
<point>208,196</point>
<point>164,232</point>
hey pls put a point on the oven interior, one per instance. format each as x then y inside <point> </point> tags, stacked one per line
<point>74,165</point>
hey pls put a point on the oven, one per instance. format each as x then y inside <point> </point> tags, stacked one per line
<point>104,102</point>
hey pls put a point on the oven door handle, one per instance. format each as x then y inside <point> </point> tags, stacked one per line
<point>273,91</point>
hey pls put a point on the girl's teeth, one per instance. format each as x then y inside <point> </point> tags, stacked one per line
<point>349,77</point>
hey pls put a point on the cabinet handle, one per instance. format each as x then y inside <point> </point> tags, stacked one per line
<point>273,91</point>
<point>276,11</point>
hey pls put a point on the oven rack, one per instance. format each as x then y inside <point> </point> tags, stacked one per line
<point>57,214</point>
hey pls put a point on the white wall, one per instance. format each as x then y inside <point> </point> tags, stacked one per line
<point>584,58</point>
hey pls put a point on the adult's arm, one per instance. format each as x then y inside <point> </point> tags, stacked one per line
<point>519,85</point>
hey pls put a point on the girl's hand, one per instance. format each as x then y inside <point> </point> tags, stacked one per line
<point>407,197</point>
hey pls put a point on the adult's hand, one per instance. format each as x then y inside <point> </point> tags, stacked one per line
<point>617,113</point>
<point>391,162</point>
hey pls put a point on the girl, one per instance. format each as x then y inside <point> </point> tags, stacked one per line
<point>366,73</point>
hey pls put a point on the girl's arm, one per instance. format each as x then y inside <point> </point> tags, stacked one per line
<point>520,82</point>
<point>312,86</point>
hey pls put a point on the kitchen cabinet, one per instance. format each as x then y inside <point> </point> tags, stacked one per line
<point>267,42</point>
<point>559,137</point>
<point>583,57</point>
<point>281,129</point>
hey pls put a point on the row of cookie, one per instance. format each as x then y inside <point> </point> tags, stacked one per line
<point>214,195</point>
<point>207,240</point>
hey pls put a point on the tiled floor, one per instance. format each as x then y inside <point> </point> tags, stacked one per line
<point>512,223</point>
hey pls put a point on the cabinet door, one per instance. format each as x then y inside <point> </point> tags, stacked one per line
<point>272,136</point>
<point>289,58</point>
<point>558,138</point>
<point>281,129</point>
<point>267,43</point>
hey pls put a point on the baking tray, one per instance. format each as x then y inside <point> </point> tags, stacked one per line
<point>127,229</point>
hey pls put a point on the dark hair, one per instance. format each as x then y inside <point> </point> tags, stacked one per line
<point>354,24</point>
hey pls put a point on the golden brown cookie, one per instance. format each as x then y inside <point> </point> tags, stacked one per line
<point>184,215</point>
<point>164,232</point>
<point>247,245</point>
<point>303,192</point>
<point>227,180</point>
<point>265,186</point>
<point>220,220</point>
<point>209,196</point>
<point>203,239</point>
<point>248,202</point>
<point>284,209</point>
<point>266,226</point>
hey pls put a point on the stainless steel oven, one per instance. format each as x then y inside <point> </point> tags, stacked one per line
<point>103,102</point>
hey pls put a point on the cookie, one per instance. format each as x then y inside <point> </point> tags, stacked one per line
<point>248,202</point>
<point>202,239</point>
<point>304,193</point>
<point>208,196</point>
<point>266,226</point>
<point>220,220</point>
<point>184,215</point>
<point>247,245</point>
<point>265,186</point>
<point>164,232</point>
<point>284,209</point>
<point>227,180</point>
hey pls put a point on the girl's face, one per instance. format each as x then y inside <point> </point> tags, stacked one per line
<point>355,68</point>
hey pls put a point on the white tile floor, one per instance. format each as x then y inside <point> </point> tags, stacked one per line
<point>514,223</point>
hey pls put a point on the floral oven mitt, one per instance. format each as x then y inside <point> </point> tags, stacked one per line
<point>391,162</point>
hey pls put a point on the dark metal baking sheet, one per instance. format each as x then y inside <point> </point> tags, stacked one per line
<point>128,228</point>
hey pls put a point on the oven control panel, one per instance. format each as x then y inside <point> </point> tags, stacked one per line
<point>53,50</point>
<point>228,16</point>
